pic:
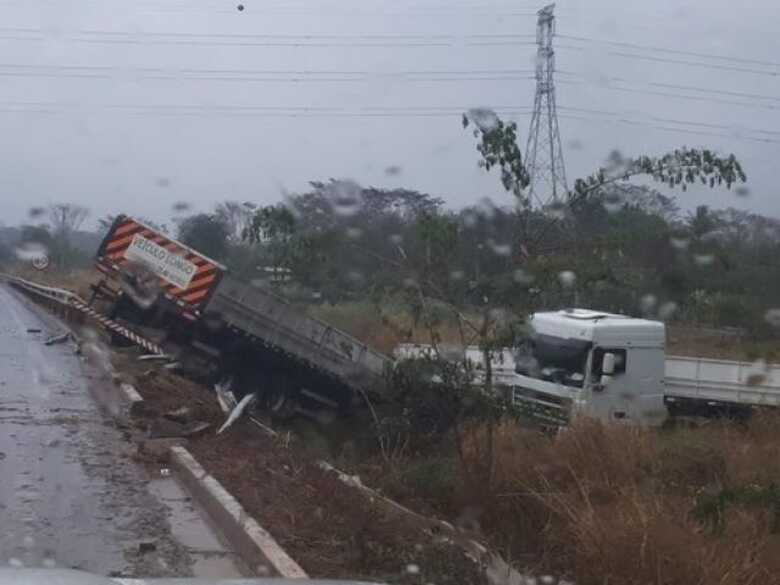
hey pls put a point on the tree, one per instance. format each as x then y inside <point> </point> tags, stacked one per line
<point>236,217</point>
<point>65,218</point>
<point>206,233</point>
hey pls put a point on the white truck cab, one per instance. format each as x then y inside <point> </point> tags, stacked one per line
<point>603,365</point>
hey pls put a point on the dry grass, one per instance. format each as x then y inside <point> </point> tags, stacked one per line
<point>383,328</point>
<point>609,504</point>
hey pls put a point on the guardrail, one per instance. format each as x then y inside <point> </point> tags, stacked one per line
<point>70,299</point>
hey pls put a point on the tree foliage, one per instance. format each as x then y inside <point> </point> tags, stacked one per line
<point>206,233</point>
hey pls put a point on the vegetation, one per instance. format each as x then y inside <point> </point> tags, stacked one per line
<point>596,503</point>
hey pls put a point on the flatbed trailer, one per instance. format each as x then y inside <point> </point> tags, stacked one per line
<point>245,333</point>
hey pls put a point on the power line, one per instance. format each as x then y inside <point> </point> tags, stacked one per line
<point>672,51</point>
<point>259,75</point>
<point>686,131</point>
<point>676,95</point>
<point>700,64</point>
<point>453,112</point>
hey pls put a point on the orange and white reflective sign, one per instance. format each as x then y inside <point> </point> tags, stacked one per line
<point>185,275</point>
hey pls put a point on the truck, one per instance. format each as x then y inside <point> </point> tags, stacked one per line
<point>614,368</point>
<point>223,329</point>
<point>577,361</point>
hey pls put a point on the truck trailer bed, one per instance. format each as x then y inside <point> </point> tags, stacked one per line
<point>268,318</point>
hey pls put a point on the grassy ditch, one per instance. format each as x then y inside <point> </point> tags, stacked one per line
<point>612,504</point>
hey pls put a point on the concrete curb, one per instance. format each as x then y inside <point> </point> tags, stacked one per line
<point>251,541</point>
<point>255,545</point>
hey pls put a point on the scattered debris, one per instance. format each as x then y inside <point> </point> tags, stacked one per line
<point>180,415</point>
<point>236,412</point>
<point>57,339</point>
<point>33,330</point>
<point>225,397</point>
<point>263,426</point>
<point>196,428</point>
<point>153,356</point>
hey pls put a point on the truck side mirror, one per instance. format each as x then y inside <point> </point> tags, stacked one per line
<point>608,364</point>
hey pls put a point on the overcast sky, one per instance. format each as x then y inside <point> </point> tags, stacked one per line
<point>132,106</point>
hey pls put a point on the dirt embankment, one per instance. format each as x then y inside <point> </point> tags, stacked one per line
<point>327,527</point>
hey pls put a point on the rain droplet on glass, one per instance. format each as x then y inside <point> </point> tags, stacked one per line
<point>647,303</point>
<point>483,118</point>
<point>522,277</point>
<point>567,278</point>
<point>345,197</point>
<point>667,310</point>
<point>772,316</point>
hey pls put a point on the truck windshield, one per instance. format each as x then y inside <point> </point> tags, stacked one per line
<point>554,359</point>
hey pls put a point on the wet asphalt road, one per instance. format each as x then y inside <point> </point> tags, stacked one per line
<point>70,494</point>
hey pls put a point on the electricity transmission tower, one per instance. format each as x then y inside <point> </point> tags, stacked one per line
<point>544,157</point>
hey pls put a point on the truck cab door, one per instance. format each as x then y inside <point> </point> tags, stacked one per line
<point>611,399</point>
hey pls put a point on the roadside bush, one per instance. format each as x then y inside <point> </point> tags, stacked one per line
<point>616,504</point>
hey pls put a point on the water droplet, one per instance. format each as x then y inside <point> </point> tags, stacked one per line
<point>703,259</point>
<point>36,212</point>
<point>483,118</point>
<point>240,7</point>
<point>522,277</point>
<point>354,233</point>
<point>613,202</point>
<point>413,569</point>
<point>140,284</point>
<point>667,310</point>
<point>393,171</point>
<point>499,249</point>
<point>567,278</point>
<point>28,542</point>
<point>556,211</point>
<point>679,243</point>
<point>486,207</point>
<point>457,275</point>
<point>49,563</point>
<point>14,562</point>
<point>647,303</point>
<point>469,218</point>
<point>396,239</point>
<point>30,251</point>
<point>181,206</point>
<point>355,276</point>
<point>163,182</point>
<point>344,197</point>
<point>410,283</point>
<point>741,191</point>
<point>772,316</point>
<point>575,144</point>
